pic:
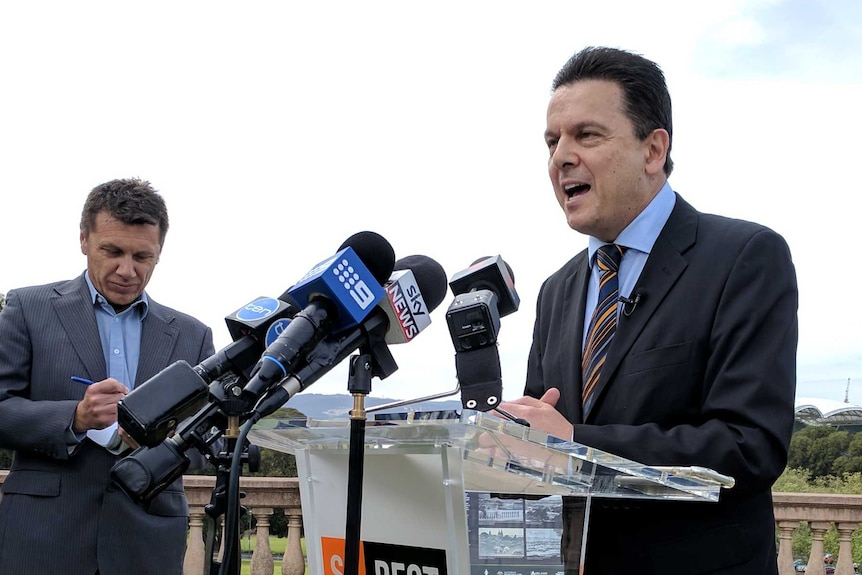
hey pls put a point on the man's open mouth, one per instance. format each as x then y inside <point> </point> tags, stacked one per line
<point>576,189</point>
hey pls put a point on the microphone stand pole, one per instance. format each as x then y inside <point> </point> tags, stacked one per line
<point>359,385</point>
<point>220,505</point>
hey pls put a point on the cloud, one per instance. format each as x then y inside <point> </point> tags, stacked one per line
<point>276,130</point>
<point>785,40</point>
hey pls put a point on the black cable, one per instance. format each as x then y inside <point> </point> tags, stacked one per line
<point>231,513</point>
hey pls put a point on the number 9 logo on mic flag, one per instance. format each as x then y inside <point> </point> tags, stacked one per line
<point>345,280</point>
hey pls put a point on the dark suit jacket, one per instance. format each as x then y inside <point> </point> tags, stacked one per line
<point>59,512</point>
<point>703,372</point>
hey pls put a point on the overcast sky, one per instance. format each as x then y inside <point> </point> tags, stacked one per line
<point>275,130</point>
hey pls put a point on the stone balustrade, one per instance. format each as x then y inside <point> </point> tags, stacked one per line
<point>820,511</point>
<point>263,495</point>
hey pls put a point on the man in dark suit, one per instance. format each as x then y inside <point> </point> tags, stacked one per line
<point>695,367</point>
<point>60,512</point>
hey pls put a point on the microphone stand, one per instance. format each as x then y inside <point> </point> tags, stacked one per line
<point>403,402</point>
<point>359,385</point>
<point>226,495</point>
<point>219,506</point>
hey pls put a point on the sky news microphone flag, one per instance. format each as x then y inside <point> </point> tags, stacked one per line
<point>415,288</point>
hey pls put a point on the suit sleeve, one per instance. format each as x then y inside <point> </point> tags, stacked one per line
<point>38,426</point>
<point>746,385</point>
<point>207,347</point>
<point>535,386</point>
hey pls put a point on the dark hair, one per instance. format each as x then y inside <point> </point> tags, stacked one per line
<point>646,100</point>
<point>131,201</point>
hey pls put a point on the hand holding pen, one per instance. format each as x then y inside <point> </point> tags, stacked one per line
<point>98,408</point>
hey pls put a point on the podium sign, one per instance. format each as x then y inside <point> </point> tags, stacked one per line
<point>412,504</point>
<point>470,494</point>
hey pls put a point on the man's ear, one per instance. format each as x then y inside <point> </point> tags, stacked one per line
<point>657,144</point>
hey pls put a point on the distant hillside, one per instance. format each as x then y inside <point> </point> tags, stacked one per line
<point>338,406</point>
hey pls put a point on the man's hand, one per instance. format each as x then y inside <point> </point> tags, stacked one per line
<point>541,413</point>
<point>98,409</point>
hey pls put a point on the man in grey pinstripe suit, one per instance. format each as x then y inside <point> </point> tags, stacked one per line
<point>60,512</point>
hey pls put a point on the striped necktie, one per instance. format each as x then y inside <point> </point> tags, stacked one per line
<point>604,321</point>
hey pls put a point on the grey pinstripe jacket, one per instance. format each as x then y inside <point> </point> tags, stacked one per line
<point>59,512</point>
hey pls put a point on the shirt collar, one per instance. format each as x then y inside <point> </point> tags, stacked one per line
<point>643,231</point>
<point>143,302</point>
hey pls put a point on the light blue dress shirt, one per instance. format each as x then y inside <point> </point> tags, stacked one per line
<point>120,335</point>
<point>639,237</point>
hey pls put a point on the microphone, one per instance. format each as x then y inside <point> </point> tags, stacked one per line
<point>489,273</point>
<point>152,410</point>
<point>633,302</point>
<point>337,294</point>
<point>378,329</point>
<point>144,473</point>
<point>252,327</point>
<point>484,293</point>
<point>407,303</point>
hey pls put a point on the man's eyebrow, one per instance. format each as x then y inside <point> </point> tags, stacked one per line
<point>578,127</point>
<point>588,124</point>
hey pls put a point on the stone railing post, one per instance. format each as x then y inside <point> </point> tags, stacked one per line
<point>195,562</point>
<point>785,546</point>
<point>845,550</point>
<point>293,563</point>
<point>815,560</point>
<point>261,557</point>
<point>221,548</point>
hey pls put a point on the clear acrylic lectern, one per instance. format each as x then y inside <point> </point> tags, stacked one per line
<point>469,493</point>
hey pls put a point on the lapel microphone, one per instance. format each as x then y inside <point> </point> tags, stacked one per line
<point>629,304</point>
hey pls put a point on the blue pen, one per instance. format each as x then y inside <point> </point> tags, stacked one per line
<point>83,380</point>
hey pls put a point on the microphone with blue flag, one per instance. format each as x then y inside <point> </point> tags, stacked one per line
<point>336,295</point>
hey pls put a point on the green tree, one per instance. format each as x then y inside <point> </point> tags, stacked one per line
<point>851,462</point>
<point>275,463</point>
<point>816,449</point>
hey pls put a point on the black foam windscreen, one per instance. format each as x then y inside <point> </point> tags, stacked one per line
<point>480,378</point>
<point>430,277</point>
<point>508,267</point>
<point>490,273</point>
<point>374,251</point>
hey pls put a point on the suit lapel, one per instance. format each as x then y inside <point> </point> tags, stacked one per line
<point>573,330</point>
<point>158,338</point>
<point>663,267</point>
<point>74,308</point>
